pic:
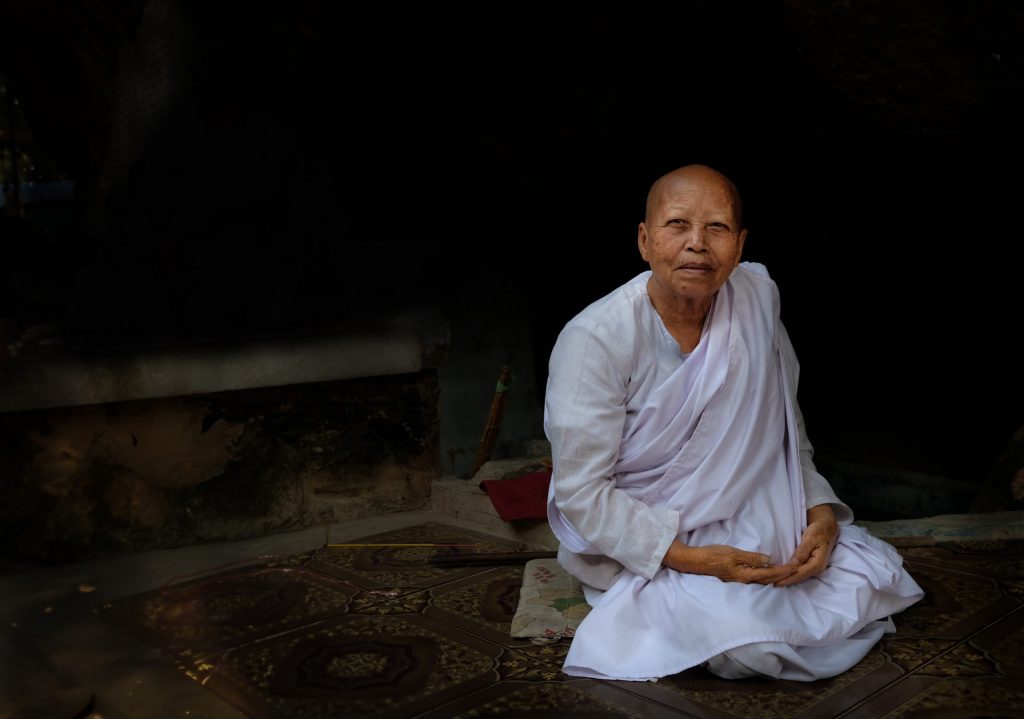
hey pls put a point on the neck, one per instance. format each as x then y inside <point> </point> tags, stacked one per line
<point>680,311</point>
<point>682,317</point>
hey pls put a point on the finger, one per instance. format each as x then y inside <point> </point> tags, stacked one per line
<point>803,554</point>
<point>796,577</point>
<point>814,566</point>
<point>755,559</point>
<point>804,549</point>
<point>768,575</point>
<point>799,557</point>
<point>776,582</point>
<point>818,560</point>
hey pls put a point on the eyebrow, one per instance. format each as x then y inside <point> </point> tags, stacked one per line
<point>670,217</point>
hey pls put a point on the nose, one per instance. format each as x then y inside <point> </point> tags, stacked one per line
<point>695,239</point>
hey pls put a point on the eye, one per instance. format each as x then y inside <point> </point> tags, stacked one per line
<point>677,222</point>
<point>718,227</point>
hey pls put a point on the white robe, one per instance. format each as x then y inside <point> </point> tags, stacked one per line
<point>710,450</point>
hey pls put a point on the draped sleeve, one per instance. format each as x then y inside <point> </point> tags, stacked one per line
<point>584,416</point>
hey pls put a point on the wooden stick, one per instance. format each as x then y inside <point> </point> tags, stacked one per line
<point>493,420</point>
<point>490,558</point>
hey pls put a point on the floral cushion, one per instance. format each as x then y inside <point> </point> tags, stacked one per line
<point>551,603</point>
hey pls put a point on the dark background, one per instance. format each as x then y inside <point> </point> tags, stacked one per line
<point>258,169</point>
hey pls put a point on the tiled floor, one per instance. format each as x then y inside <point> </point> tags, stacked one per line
<point>384,632</point>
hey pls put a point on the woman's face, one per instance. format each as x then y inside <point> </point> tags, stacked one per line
<point>691,238</point>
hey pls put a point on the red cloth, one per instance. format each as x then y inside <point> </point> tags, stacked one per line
<point>524,497</point>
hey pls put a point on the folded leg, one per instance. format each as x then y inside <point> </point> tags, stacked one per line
<point>779,660</point>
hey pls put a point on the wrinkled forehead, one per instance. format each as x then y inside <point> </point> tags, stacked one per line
<point>707,192</point>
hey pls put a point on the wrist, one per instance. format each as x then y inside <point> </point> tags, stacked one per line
<point>679,557</point>
<point>821,513</point>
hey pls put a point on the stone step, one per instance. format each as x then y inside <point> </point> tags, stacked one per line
<point>463,499</point>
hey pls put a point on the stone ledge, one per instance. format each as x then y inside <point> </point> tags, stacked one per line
<point>463,499</point>
<point>949,528</point>
<point>155,373</point>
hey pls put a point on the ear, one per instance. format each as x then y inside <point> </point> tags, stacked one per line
<point>641,240</point>
<point>741,240</point>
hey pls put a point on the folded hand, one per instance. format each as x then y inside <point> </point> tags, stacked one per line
<point>727,563</point>
<point>816,544</point>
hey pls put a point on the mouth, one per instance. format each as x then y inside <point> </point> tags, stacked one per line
<point>698,267</point>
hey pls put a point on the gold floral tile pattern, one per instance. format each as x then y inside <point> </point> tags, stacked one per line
<point>909,653</point>
<point>484,603</point>
<point>964,699</point>
<point>521,666</point>
<point>762,697</point>
<point>1008,654</point>
<point>949,600</point>
<point>1000,559</point>
<point>962,661</point>
<point>580,699</point>
<point>394,562</point>
<point>547,654</point>
<point>534,662</point>
<point>380,603</point>
<point>355,666</point>
<point>197,665</point>
<point>238,606</point>
<point>552,699</point>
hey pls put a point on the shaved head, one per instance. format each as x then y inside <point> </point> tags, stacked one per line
<point>695,173</point>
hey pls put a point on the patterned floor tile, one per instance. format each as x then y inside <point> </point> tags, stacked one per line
<point>1001,560</point>
<point>963,646</point>
<point>575,699</point>
<point>532,666</point>
<point>962,699</point>
<point>697,690</point>
<point>380,631</point>
<point>1003,644</point>
<point>225,610</point>
<point>378,603</point>
<point>356,666</point>
<point>407,568</point>
<point>910,653</point>
<point>883,703</point>
<point>955,604</point>
<point>548,654</point>
<point>483,604</point>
